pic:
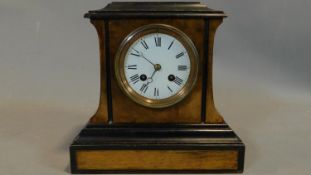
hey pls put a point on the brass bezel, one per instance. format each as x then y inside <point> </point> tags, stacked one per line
<point>134,36</point>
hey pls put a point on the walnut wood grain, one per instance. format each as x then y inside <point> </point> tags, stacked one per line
<point>124,109</point>
<point>157,159</point>
<point>101,115</point>
<point>212,114</point>
<point>200,142</point>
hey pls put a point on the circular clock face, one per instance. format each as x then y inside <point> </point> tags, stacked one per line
<point>156,65</point>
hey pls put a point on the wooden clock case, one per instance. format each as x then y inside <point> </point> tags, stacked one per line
<point>125,137</point>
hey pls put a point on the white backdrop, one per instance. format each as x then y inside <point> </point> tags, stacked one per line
<point>49,81</point>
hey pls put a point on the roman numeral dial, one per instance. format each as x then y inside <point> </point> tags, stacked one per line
<point>178,81</point>
<point>156,65</point>
<point>134,78</point>
<point>134,66</point>
<point>144,44</point>
<point>182,67</point>
<point>180,55</point>
<point>157,41</point>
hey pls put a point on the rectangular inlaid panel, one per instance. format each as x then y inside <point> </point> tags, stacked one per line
<point>125,110</point>
<point>157,159</point>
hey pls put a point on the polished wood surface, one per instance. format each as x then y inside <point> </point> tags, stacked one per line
<point>101,115</point>
<point>125,137</point>
<point>181,9</point>
<point>157,159</point>
<point>129,148</point>
<point>124,109</point>
<point>212,115</point>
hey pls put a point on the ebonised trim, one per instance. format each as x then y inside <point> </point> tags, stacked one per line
<point>108,71</point>
<point>241,157</point>
<point>159,125</point>
<point>157,137</point>
<point>151,16</point>
<point>136,10</point>
<point>73,159</point>
<point>205,71</point>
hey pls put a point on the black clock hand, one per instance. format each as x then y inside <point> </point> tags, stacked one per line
<point>156,67</point>
<point>153,73</point>
<point>150,79</point>
<point>142,55</point>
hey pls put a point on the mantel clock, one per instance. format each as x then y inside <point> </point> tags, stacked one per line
<point>156,111</point>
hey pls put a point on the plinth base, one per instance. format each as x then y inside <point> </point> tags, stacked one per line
<point>202,148</point>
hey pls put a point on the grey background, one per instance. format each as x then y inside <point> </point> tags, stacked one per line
<point>49,81</point>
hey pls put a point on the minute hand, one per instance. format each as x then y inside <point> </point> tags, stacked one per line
<point>142,55</point>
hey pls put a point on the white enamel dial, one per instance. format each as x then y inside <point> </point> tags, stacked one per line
<point>157,66</point>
